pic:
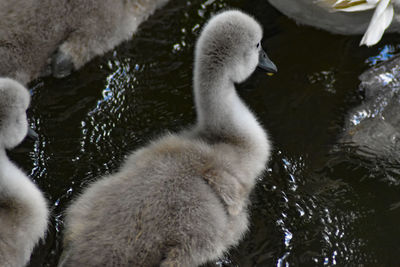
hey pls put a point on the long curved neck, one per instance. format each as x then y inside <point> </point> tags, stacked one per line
<point>7,173</point>
<point>7,170</point>
<point>3,161</point>
<point>221,114</point>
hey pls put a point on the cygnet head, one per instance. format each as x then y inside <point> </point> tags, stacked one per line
<point>231,43</point>
<point>14,101</point>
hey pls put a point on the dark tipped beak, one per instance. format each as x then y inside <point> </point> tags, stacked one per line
<point>32,135</point>
<point>265,63</point>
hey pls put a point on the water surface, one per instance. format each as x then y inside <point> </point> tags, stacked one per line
<point>318,204</point>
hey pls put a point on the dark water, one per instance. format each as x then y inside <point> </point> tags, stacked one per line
<point>319,204</point>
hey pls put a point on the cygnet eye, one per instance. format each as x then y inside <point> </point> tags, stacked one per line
<point>258,45</point>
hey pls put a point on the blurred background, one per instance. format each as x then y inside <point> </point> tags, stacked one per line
<point>318,204</point>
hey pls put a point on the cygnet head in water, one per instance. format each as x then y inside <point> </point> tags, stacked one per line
<point>231,43</point>
<point>14,102</point>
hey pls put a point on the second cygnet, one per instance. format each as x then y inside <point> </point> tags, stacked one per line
<point>23,209</point>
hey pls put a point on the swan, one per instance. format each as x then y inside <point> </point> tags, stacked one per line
<point>56,37</point>
<point>368,17</point>
<point>182,200</point>
<point>23,209</point>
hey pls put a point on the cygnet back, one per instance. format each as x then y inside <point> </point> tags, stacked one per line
<point>47,37</point>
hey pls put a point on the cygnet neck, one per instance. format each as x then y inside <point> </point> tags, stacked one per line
<point>221,114</point>
<point>3,153</point>
<point>4,160</point>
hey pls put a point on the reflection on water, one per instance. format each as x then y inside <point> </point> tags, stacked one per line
<point>324,78</point>
<point>318,204</point>
<point>385,52</point>
<point>373,126</point>
<point>317,214</point>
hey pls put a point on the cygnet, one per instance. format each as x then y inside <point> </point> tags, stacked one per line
<point>183,199</point>
<point>23,209</point>
<point>55,37</point>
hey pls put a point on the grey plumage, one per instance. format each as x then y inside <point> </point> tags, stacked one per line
<point>23,209</point>
<point>55,37</point>
<point>182,200</point>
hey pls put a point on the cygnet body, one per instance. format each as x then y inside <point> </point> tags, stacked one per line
<point>182,200</point>
<point>368,19</point>
<point>55,37</point>
<point>23,209</point>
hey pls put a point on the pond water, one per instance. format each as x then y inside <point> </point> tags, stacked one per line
<point>318,204</point>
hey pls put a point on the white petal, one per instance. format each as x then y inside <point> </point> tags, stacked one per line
<point>381,7</point>
<point>380,21</point>
<point>374,2</point>
<point>357,8</point>
<point>332,5</point>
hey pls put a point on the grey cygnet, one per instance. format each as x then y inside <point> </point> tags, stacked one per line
<point>23,209</point>
<point>182,200</point>
<point>64,34</point>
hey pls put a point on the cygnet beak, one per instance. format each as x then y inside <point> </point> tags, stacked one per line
<point>32,135</point>
<point>265,63</point>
